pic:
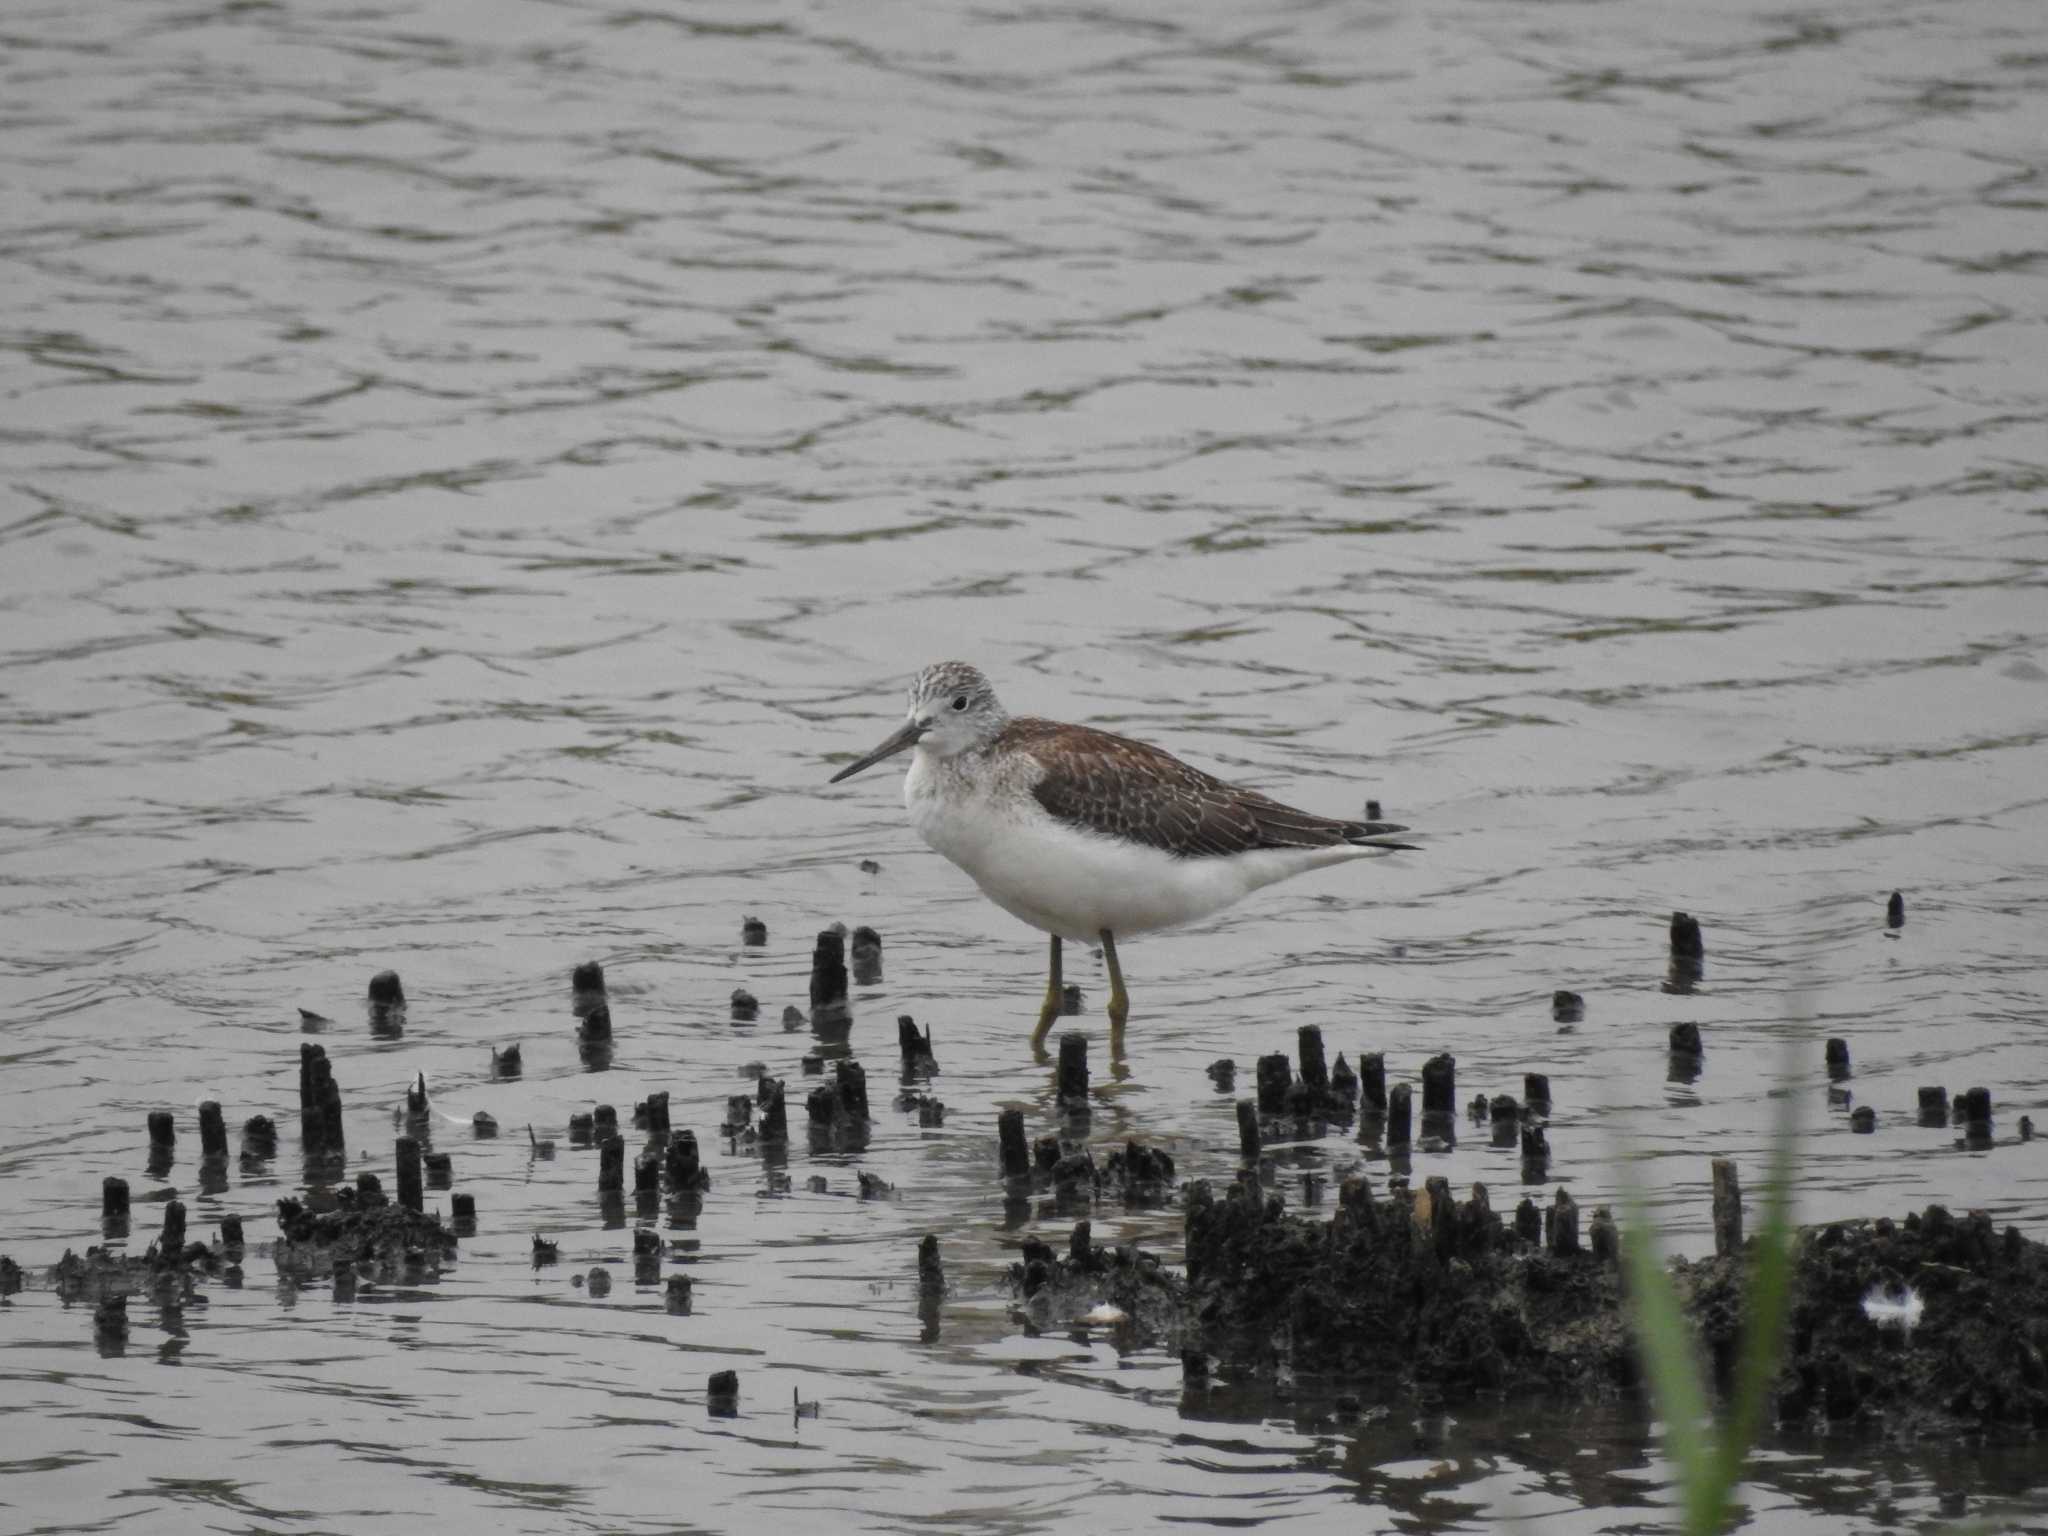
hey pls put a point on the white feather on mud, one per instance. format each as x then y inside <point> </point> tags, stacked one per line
<point>1900,1308</point>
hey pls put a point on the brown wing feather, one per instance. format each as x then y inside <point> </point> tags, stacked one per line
<point>1117,787</point>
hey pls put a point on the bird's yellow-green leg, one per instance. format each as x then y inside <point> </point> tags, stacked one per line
<point>1119,999</point>
<point>1055,996</point>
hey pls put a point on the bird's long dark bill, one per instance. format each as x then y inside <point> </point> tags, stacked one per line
<point>902,741</point>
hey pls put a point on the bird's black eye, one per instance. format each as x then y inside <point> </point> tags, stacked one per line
<point>960,701</point>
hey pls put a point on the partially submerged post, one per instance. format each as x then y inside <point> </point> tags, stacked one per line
<point>1687,942</point>
<point>1440,1088</point>
<point>653,1113</point>
<point>213,1132</point>
<point>1013,1152</point>
<point>685,1168</point>
<point>1399,1115</point>
<point>1688,954</point>
<point>259,1138</point>
<point>1975,1110</point>
<point>386,1004</point>
<point>774,1113</point>
<point>1372,1082</point>
<point>1276,1076</point>
<point>1071,1091</point>
<point>1727,1210</point>
<point>722,1395</point>
<point>867,957</point>
<point>828,979</point>
<point>409,1194</point>
<point>1505,1119</point>
<point>915,1046</point>
<point>171,1246</point>
<point>1315,1069</point>
<point>1563,1220</point>
<point>320,1126</point>
<point>1248,1132</point>
<point>1602,1237</point>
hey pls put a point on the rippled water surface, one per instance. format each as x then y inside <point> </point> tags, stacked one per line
<point>469,472</point>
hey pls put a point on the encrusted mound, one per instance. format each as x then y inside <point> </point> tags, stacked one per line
<point>1975,1359</point>
<point>1444,1299</point>
<point>98,1273</point>
<point>381,1238</point>
<point>1429,1296</point>
<point>1058,1289</point>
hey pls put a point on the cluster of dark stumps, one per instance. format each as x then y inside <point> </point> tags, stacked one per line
<point>1411,1290</point>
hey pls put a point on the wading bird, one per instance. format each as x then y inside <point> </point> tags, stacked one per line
<point>1090,836</point>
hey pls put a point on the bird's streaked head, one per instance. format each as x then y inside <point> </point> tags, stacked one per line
<point>952,710</point>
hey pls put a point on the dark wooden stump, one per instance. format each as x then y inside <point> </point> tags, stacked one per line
<point>1276,1076</point>
<point>213,1131</point>
<point>1399,1115</point>
<point>1013,1153</point>
<point>1372,1081</point>
<point>1440,1086</point>
<point>409,1187</point>
<point>1315,1069</point>
<point>867,957</point>
<point>828,976</point>
<point>1072,1080</point>
<point>1727,1209</point>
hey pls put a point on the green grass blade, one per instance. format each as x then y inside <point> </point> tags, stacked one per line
<point>1767,1301</point>
<point>1670,1358</point>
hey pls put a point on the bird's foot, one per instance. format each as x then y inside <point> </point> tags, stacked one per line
<point>1046,1016</point>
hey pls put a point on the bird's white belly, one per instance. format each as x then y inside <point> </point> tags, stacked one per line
<point>1075,883</point>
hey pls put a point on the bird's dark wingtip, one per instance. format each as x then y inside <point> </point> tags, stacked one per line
<point>1379,835</point>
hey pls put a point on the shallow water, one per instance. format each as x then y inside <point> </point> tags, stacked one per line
<point>471,472</point>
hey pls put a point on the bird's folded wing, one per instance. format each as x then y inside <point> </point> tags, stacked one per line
<point>1116,787</point>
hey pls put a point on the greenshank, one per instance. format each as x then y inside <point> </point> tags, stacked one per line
<point>1090,836</point>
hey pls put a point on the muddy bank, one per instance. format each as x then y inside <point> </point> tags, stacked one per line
<point>1444,1300</point>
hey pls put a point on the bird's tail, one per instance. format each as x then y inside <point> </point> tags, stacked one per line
<point>1378,834</point>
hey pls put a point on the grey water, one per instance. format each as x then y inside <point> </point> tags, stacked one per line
<point>469,472</point>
